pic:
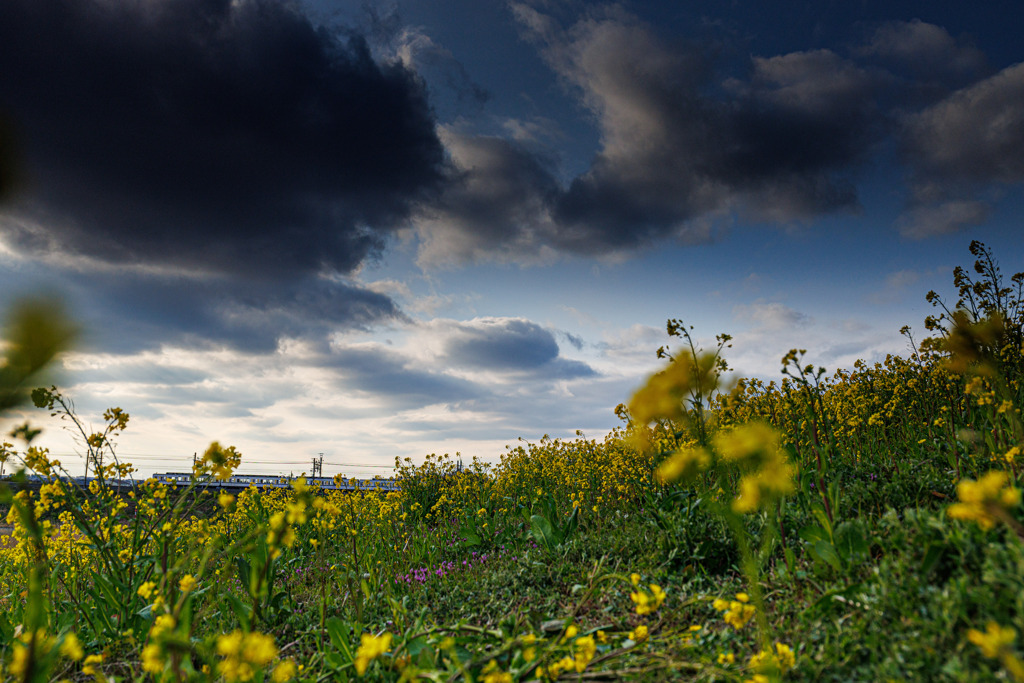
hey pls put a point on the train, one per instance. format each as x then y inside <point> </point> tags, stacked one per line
<point>79,481</point>
<point>244,481</point>
<point>236,482</point>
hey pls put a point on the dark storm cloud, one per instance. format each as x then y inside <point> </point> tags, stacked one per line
<point>680,144</point>
<point>928,54</point>
<point>960,146</point>
<point>418,51</point>
<point>685,147</point>
<point>943,217</point>
<point>390,376</point>
<point>130,312</point>
<point>777,149</point>
<point>9,162</point>
<point>229,136</point>
<point>493,206</point>
<point>510,344</point>
<point>976,134</point>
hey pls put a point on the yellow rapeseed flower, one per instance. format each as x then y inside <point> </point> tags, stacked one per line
<point>647,602</point>
<point>89,665</point>
<point>220,462</point>
<point>152,659</point>
<point>684,464</point>
<point>782,660</point>
<point>585,648</point>
<point>493,674</point>
<point>285,671</point>
<point>662,396</point>
<point>71,647</point>
<point>244,654</point>
<point>161,625</point>
<point>995,641</point>
<point>370,648</point>
<point>982,500</point>
<point>737,613</point>
<point>639,634</point>
<point>747,443</point>
<point>187,584</point>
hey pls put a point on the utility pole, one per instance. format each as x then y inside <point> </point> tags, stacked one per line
<point>318,466</point>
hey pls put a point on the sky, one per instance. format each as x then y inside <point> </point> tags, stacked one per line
<point>380,230</point>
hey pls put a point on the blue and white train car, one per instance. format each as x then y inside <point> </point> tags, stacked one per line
<point>244,481</point>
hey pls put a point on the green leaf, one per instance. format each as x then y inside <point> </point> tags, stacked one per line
<point>102,581</point>
<point>790,559</point>
<point>241,610</point>
<point>416,645</point>
<point>824,551</point>
<point>851,541</point>
<point>822,517</point>
<point>277,602</point>
<point>243,567</point>
<point>543,533</point>
<point>6,630</point>
<point>570,526</point>
<point>338,631</point>
<point>470,539</point>
<point>932,556</point>
<point>813,534</point>
<point>336,661</point>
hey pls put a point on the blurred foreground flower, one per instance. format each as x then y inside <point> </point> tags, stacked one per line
<point>371,647</point>
<point>36,331</point>
<point>985,500</point>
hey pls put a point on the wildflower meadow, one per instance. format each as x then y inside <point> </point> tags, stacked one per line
<point>863,524</point>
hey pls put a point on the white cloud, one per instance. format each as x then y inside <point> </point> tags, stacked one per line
<point>770,317</point>
<point>943,218</point>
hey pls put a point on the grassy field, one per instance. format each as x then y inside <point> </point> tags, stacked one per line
<point>863,525</point>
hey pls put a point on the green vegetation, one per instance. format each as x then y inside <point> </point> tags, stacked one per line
<point>864,525</point>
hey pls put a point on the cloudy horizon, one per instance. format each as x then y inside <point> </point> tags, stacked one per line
<point>385,231</point>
